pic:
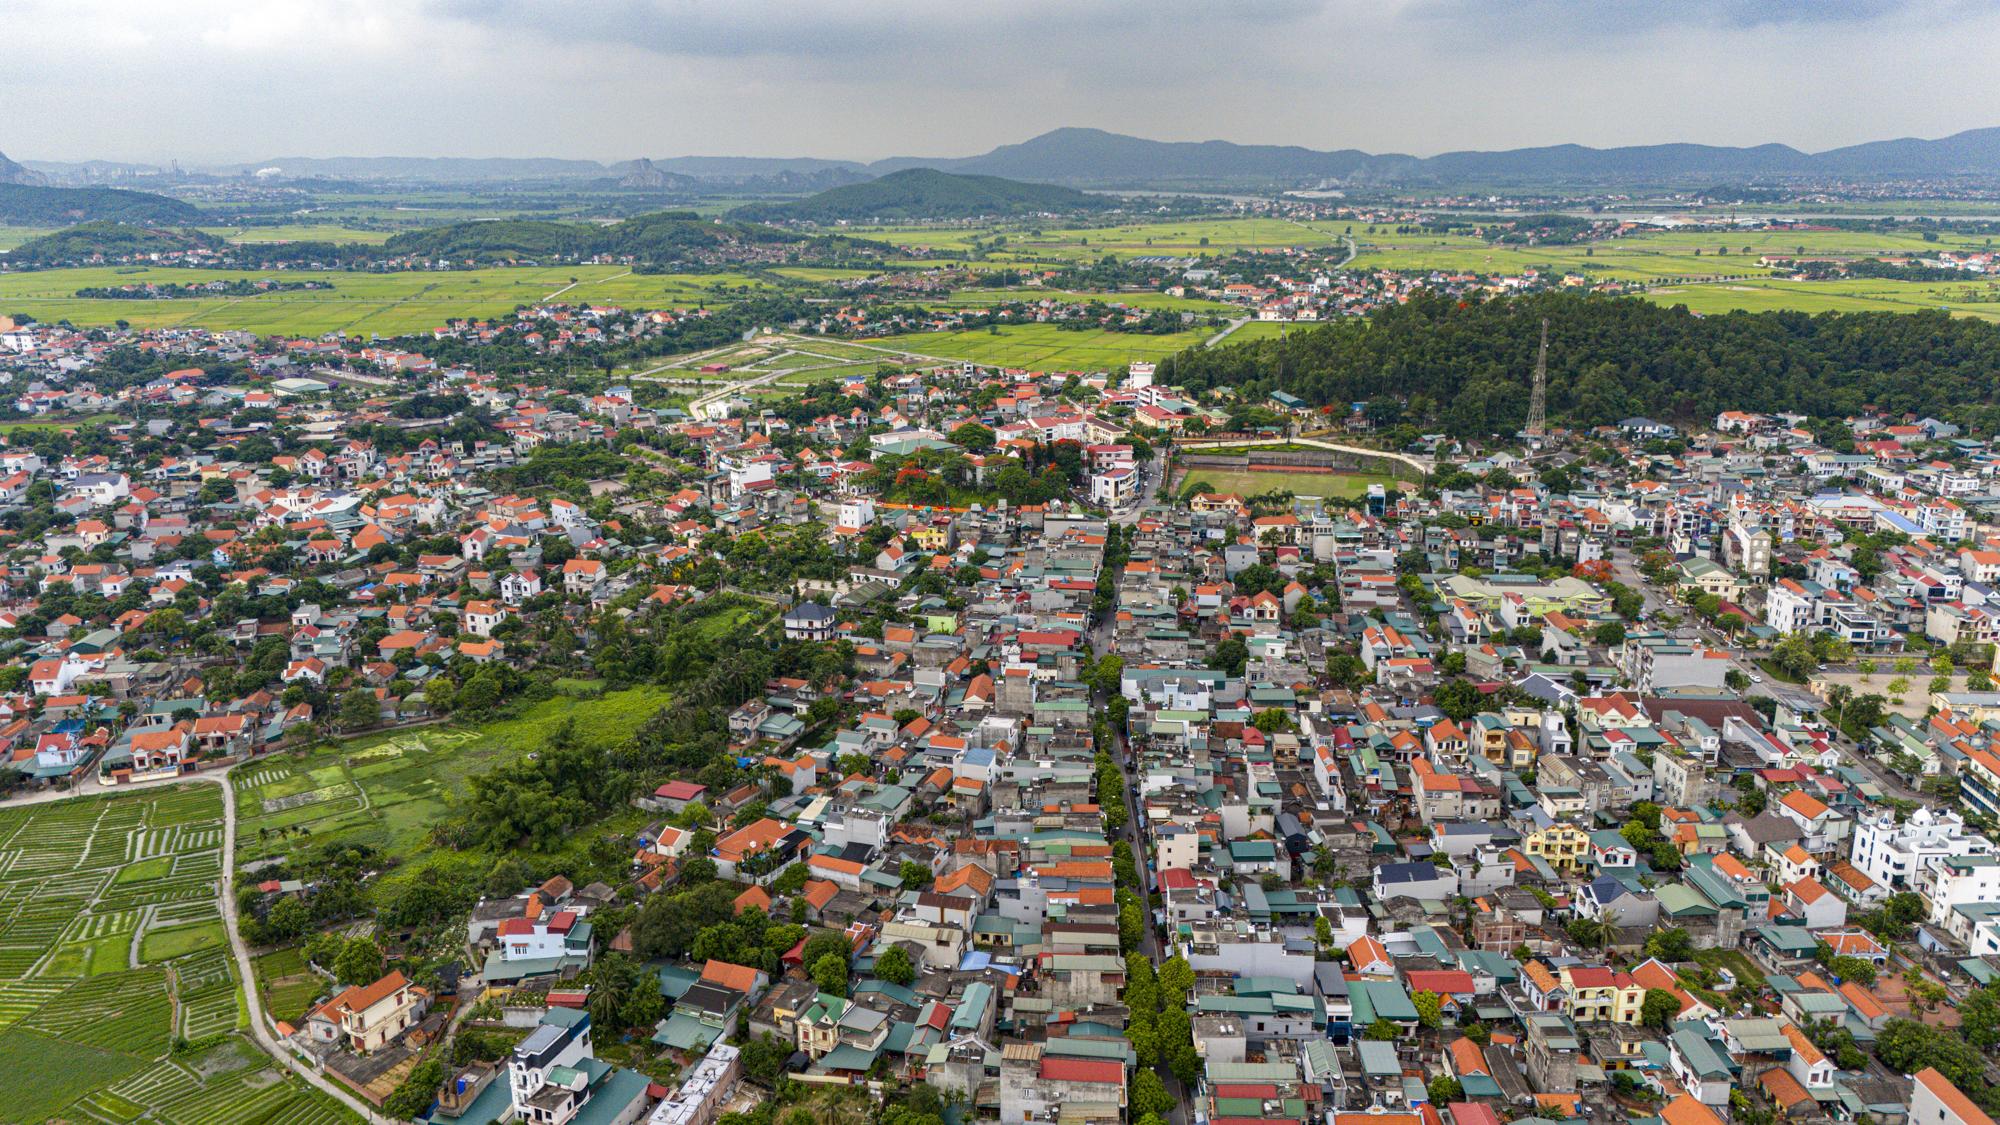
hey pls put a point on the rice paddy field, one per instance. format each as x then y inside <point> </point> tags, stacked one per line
<point>985,298</point>
<point>111,951</point>
<point>1043,347</point>
<point>382,304</point>
<point>300,232</point>
<point>1650,257</point>
<point>1174,238</point>
<point>388,790</point>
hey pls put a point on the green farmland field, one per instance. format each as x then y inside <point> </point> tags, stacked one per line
<point>85,881</point>
<point>384,304</point>
<point>982,298</point>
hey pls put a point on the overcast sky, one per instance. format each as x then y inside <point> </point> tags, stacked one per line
<point>240,80</point>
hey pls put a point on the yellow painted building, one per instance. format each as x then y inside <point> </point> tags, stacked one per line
<point>1563,846</point>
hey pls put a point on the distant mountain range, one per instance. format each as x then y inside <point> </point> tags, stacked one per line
<point>926,193</point>
<point>1095,158</point>
<point>12,173</point>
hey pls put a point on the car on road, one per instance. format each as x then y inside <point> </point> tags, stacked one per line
<point>1755,678</point>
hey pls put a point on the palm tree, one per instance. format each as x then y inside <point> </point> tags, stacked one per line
<point>1594,933</point>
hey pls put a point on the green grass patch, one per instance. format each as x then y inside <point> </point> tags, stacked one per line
<point>1734,960</point>
<point>178,941</point>
<point>48,1074</point>
<point>1044,347</point>
<point>405,781</point>
<point>53,425</point>
<point>145,870</point>
<point>68,961</point>
<point>110,954</point>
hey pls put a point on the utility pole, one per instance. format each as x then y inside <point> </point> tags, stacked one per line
<point>1538,399</point>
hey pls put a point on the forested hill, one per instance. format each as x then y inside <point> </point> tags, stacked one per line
<point>86,241</point>
<point>1466,366</point>
<point>666,236</point>
<point>926,193</point>
<point>26,205</point>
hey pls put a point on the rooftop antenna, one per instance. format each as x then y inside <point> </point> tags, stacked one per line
<point>1538,399</point>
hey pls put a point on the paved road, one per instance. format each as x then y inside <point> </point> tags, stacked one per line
<point>1103,641</point>
<point>1226,330</point>
<point>259,1029</point>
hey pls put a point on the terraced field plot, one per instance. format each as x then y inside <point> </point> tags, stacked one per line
<point>111,947</point>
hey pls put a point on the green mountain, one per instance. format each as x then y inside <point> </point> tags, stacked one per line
<point>658,238</point>
<point>27,205</point>
<point>111,240</point>
<point>926,193</point>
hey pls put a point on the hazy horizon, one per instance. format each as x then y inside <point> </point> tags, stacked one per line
<point>206,82</point>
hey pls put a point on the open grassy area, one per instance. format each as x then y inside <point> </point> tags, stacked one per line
<point>387,790</point>
<point>1044,347</point>
<point>83,878</point>
<point>50,425</point>
<point>300,232</point>
<point>179,941</point>
<point>1335,485</point>
<point>11,237</point>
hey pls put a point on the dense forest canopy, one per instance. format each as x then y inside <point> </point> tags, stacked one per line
<point>1466,365</point>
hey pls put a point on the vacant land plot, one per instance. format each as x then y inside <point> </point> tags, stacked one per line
<point>87,884</point>
<point>389,790</point>
<point>1042,347</point>
<point>288,985</point>
<point>1333,485</point>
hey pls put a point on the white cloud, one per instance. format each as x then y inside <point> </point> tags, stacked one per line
<point>212,80</point>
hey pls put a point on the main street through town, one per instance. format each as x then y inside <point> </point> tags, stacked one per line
<point>1103,641</point>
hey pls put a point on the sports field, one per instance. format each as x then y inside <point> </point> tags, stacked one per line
<point>1328,485</point>
<point>1044,347</point>
<point>111,948</point>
